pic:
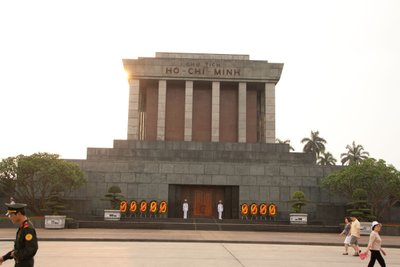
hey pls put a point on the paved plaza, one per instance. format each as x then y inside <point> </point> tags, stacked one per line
<point>135,247</point>
<point>121,254</point>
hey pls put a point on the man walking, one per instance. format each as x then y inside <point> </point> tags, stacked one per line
<point>355,235</point>
<point>26,244</point>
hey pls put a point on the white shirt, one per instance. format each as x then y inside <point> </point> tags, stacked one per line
<point>185,206</point>
<point>220,207</point>
<point>375,241</point>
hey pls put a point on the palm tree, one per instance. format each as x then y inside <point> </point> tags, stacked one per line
<point>287,142</point>
<point>315,144</point>
<point>354,154</point>
<point>326,158</point>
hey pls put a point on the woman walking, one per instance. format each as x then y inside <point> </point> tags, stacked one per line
<point>374,245</point>
<point>346,233</point>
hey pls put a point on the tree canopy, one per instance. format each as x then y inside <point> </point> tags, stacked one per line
<point>33,179</point>
<point>381,181</point>
<point>359,206</point>
<point>287,142</point>
<point>326,158</point>
<point>315,144</point>
<point>354,155</point>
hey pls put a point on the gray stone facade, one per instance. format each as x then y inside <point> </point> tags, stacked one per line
<point>249,168</point>
<point>264,173</point>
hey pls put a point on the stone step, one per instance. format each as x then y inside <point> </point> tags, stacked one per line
<point>209,224</point>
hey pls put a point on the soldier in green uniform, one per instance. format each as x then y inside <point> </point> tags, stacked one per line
<point>26,244</point>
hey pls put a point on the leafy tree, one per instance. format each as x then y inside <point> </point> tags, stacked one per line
<point>114,196</point>
<point>354,154</point>
<point>326,158</point>
<point>381,181</point>
<point>315,144</point>
<point>287,142</point>
<point>33,179</point>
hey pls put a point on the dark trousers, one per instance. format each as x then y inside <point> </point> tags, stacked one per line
<point>376,255</point>
<point>25,263</point>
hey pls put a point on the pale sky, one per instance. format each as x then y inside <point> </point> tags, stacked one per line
<point>63,88</point>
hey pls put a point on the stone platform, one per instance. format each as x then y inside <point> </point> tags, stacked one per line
<point>208,224</point>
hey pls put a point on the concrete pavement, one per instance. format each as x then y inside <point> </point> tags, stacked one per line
<point>147,235</point>
<point>138,247</point>
<point>128,254</point>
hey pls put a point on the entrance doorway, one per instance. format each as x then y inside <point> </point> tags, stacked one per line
<point>202,206</point>
<point>203,200</point>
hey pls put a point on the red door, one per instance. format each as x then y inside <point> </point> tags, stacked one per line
<point>202,206</point>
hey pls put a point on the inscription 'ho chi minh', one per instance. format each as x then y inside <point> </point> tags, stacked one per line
<point>181,66</point>
<point>208,70</point>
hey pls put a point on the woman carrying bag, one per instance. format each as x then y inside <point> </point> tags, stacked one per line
<point>374,245</point>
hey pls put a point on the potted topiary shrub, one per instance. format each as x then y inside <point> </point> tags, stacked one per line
<point>298,202</point>
<point>56,207</point>
<point>361,209</point>
<point>113,196</point>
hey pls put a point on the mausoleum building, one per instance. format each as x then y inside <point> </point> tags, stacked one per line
<point>201,127</point>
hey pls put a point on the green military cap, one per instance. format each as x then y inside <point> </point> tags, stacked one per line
<point>14,207</point>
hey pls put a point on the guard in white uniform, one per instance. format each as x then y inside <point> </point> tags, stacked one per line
<point>185,208</point>
<point>220,208</point>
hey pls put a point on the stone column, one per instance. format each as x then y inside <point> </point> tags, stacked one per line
<point>242,113</point>
<point>215,112</point>
<point>188,110</point>
<point>162,97</point>
<point>133,112</point>
<point>269,113</point>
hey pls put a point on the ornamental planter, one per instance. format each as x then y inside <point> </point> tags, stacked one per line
<point>298,202</point>
<point>298,218</point>
<point>54,221</point>
<point>112,215</point>
<point>365,228</point>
